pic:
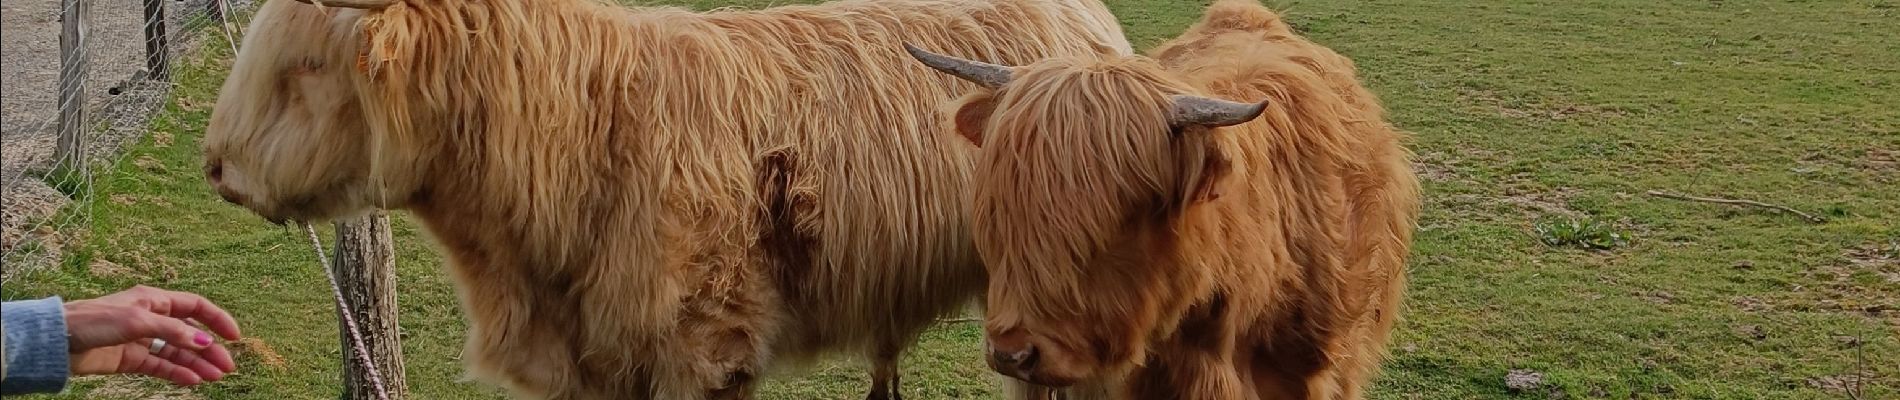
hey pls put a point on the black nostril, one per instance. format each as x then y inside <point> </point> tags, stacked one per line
<point>1026,359</point>
<point>215,171</point>
<point>1021,360</point>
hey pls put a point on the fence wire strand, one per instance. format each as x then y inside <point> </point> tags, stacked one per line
<point>44,209</point>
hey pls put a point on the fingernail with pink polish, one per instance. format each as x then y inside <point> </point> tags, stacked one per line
<point>202,339</point>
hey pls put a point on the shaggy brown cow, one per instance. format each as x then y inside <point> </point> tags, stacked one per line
<point>640,202</point>
<point>1146,242</point>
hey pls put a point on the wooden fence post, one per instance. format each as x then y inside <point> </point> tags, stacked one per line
<point>74,64</point>
<point>365,266</point>
<point>157,50</point>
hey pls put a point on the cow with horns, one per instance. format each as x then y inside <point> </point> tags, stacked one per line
<point>1154,229</point>
<point>640,202</point>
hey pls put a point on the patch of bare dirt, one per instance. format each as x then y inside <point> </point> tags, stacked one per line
<point>1883,165</point>
<point>107,269</point>
<point>1750,304</point>
<point>29,204</point>
<point>28,210</point>
<point>1553,201</point>
<point>1847,342</point>
<point>1880,258</point>
<point>1881,160</point>
<point>1435,166</point>
<point>27,207</point>
<point>139,260</point>
<point>190,104</point>
<point>254,347</point>
<point>1813,162</point>
<point>1842,384</point>
<point>128,388</point>
<point>161,139</point>
<point>1753,333</point>
<point>1523,380</point>
<point>149,164</point>
<point>1863,282</point>
<point>1658,296</point>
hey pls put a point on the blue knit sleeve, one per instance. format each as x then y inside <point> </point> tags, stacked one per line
<point>35,346</point>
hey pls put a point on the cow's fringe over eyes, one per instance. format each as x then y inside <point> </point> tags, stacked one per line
<point>1058,169</point>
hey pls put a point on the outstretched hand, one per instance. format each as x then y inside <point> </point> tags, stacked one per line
<point>113,335</point>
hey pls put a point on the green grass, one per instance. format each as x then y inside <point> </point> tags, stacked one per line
<point>1524,111</point>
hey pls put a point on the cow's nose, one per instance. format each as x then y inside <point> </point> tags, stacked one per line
<point>214,173</point>
<point>1016,362</point>
<point>228,195</point>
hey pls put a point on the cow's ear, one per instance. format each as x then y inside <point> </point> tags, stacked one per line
<point>1207,177</point>
<point>970,115</point>
<point>1213,170</point>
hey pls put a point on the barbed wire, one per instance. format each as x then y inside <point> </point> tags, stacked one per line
<point>44,209</point>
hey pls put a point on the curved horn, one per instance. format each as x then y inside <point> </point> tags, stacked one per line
<point>359,4</point>
<point>1209,112</point>
<point>982,73</point>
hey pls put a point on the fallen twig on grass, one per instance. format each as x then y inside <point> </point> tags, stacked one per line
<point>1810,217</point>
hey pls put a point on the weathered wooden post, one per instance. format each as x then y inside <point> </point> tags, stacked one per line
<point>74,64</point>
<point>157,50</point>
<point>365,266</point>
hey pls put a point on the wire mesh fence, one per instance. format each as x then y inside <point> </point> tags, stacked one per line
<point>82,80</point>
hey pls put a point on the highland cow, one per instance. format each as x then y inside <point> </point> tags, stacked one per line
<point>1227,218</point>
<point>640,202</point>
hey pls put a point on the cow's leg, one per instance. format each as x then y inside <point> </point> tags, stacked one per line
<point>1293,371</point>
<point>884,375</point>
<point>884,383</point>
<point>1185,377</point>
<point>739,385</point>
<point>1366,345</point>
<point>1350,377</point>
<point>1198,362</point>
<point>528,357</point>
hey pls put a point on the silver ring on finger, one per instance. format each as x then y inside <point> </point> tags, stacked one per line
<point>157,344</point>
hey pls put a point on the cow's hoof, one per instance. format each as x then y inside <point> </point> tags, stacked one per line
<point>884,395</point>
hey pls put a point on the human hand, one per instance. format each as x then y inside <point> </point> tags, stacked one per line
<point>113,335</point>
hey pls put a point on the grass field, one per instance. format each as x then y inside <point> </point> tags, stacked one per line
<point>1541,125</point>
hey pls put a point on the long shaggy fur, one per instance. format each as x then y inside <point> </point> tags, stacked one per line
<point>1263,259</point>
<point>642,203</point>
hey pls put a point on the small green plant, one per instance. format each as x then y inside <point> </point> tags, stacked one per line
<point>1587,232</point>
<point>67,180</point>
<point>1836,211</point>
